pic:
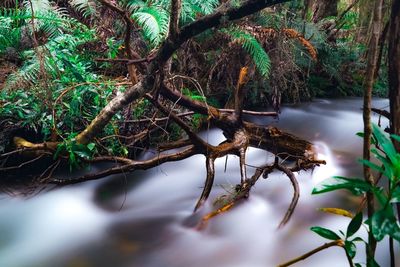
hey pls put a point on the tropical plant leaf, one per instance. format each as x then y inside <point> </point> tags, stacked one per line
<point>386,144</point>
<point>354,225</point>
<point>383,223</point>
<point>253,47</point>
<point>351,248</point>
<point>324,232</point>
<point>354,185</point>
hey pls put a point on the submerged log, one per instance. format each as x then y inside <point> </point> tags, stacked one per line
<point>279,142</point>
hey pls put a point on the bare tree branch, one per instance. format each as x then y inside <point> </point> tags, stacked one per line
<point>135,165</point>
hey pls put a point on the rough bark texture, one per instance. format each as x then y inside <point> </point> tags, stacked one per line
<point>371,67</point>
<point>176,7</point>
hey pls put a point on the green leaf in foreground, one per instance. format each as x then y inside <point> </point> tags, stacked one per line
<point>350,248</point>
<point>354,225</point>
<point>354,185</point>
<point>384,223</point>
<point>326,233</point>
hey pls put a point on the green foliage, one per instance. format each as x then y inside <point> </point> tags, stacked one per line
<point>338,70</point>
<point>325,233</point>
<point>153,16</point>
<point>87,8</point>
<point>154,21</point>
<point>253,47</point>
<point>141,108</point>
<point>354,185</point>
<point>76,152</point>
<point>199,96</point>
<point>383,222</point>
<point>349,241</point>
<point>10,36</point>
<point>354,225</point>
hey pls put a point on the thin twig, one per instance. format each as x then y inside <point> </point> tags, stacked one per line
<point>338,243</point>
<point>22,164</point>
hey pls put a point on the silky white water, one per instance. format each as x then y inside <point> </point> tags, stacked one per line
<point>145,219</point>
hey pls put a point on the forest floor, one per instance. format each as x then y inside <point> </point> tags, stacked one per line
<point>6,68</point>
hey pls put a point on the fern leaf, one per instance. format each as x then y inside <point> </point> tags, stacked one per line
<point>37,6</point>
<point>85,7</point>
<point>253,48</point>
<point>205,6</point>
<point>154,22</point>
<point>134,5</point>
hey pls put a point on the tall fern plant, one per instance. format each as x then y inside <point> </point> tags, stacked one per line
<point>18,28</point>
<point>153,16</point>
<point>251,45</point>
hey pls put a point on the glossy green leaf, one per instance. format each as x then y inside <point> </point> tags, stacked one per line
<point>326,233</point>
<point>91,146</point>
<point>385,142</point>
<point>350,248</point>
<point>384,223</point>
<point>354,225</point>
<point>354,185</point>
<point>388,166</point>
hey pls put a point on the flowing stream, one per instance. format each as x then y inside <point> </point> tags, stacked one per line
<point>145,219</point>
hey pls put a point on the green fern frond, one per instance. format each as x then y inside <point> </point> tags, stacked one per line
<point>38,6</point>
<point>85,7</point>
<point>206,7</point>
<point>134,5</point>
<point>253,48</point>
<point>154,22</point>
<point>190,8</point>
<point>9,36</point>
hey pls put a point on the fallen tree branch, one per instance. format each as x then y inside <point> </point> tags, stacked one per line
<point>22,164</point>
<point>134,165</point>
<point>296,193</point>
<point>381,112</point>
<point>222,110</point>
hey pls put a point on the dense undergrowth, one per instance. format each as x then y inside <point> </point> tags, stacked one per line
<point>55,83</point>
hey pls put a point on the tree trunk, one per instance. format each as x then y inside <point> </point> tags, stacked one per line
<point>394,70</point>
<point>394,77</point>
<point>324,8</point>
<point>365,9</point>
<point>371,68</point>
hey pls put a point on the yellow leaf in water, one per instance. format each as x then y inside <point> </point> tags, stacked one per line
<point>337,211</point>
